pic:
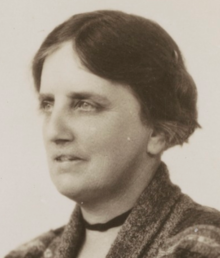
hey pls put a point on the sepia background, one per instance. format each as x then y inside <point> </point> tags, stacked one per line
<point>29,203</point>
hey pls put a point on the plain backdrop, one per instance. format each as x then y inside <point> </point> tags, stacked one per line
<point>29,203</point>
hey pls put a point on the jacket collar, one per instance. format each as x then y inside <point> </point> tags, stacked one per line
<point>139,230</point>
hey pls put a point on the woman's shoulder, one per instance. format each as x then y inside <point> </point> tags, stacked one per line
<point>37,246</point>
<point>197,233</point>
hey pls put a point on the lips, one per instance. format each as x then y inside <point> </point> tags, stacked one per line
<point>65,158</point>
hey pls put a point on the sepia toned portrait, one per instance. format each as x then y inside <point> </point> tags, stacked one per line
<point>110,129</point>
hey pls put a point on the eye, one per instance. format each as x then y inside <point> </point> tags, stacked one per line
<point>85,106</point>
<point>46,106</point>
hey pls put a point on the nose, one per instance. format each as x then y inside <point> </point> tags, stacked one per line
<point>57,129</point>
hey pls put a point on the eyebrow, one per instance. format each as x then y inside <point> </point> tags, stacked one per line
<point>42,96</point>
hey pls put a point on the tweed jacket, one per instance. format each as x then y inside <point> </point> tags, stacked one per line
<point>163,223</point>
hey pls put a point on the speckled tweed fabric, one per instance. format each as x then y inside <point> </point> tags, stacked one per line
<point>163,223</point>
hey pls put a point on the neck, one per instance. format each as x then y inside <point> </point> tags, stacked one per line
<point>105,210</point>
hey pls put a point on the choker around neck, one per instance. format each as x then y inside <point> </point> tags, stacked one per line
<point>115,222</point>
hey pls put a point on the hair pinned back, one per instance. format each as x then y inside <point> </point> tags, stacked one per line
<point>138,53</point>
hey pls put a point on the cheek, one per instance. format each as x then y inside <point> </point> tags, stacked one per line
<point>112,136</point>
<point>45,125</point>
<point>44,134</point>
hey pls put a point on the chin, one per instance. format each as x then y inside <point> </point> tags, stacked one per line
<point>70,192</point>
<point>66,185</point>
<point>71,188</point>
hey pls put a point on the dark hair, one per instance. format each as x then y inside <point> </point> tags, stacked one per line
<point>138,53</point>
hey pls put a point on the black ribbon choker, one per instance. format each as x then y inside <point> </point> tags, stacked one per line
<point>115,222</point>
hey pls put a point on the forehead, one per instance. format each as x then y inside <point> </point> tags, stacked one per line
<point>62,64</point>
<point>63,73</point>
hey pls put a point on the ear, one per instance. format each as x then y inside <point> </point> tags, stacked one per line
<point>157,143</point>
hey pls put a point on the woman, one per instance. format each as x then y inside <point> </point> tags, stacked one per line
<point>115,94</point>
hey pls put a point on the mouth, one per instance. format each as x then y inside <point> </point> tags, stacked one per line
<point>66,158</point>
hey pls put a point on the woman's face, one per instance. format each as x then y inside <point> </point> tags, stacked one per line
<point>94,137</point>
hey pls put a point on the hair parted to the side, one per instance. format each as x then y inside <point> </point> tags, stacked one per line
<point>138,53</point>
